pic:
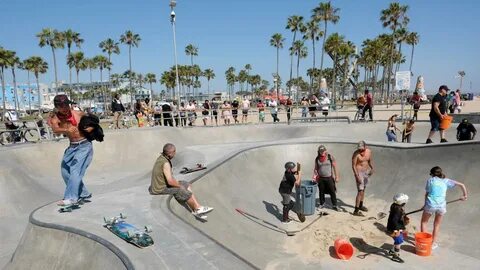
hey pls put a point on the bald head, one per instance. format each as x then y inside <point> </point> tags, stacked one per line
<point>168,148</point>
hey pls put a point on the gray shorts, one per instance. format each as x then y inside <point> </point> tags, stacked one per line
<point>181,194</point>
<point>435,210</point>
<point>286,198</point>
<point>363,181</point>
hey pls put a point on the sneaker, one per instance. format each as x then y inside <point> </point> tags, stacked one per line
<point>428,141</point>
<point>65,203</point>
<point>203,210</point>
<point>89,196</point>
<point>443,140</point>
<point>301,217</point>
<point>335,208</point>
<point>363,208</point>
<point>358,214</point>
<point>434,245</point>
<point>320,207</point>
<point>286,221</point>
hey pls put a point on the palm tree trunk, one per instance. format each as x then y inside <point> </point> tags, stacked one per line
<point>276,76</point>
<point>29,92</point>
<point>313,69</point>
<point>208,87</point>
<point>130,77</point>
<point>69,73</point>
<point>298,63</point>
<point>103,91</point>
<point>55,67</point>
<point>15,93</point>
<point>397,68</point>
<point>323,49</point>
<point>390,67</point>
<point>4,95</point>
<point>334,79</point>
<point>38,93</point>
<point>109,76</point>
<point>291,66</point>
<point>411,58</point>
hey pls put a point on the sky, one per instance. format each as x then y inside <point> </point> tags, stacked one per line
<point>235,33</point>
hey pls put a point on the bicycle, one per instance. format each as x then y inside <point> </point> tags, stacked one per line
<point>21,134</point>
<point>358,115</point>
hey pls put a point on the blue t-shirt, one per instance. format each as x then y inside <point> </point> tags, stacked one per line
<point>437,191</point>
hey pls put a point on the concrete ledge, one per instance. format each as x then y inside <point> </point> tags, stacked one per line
<point>320,118</point>
<point>473,118</point>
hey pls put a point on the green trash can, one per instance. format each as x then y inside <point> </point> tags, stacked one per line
<point>305,196</point>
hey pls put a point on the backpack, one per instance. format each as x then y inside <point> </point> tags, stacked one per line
<point>315,170</point>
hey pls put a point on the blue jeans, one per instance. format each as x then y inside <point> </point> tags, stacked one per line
<point>74,165</point>
<point>392,137</point>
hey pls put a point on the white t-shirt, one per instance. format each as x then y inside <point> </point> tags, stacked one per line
<point>245,104</point>
<point>11,116</point>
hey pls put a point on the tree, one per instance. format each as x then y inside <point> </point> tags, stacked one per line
<point>300,50</point>
<point>327,13</point>
<point>313,33</point>
<point>208,74</point>
<point>71,37</point>
<point>150,78</point>
<point>231,79</point>
<point>102,63</point>
<point>24,66</point>
<point>54,39</point>
<point>191,51</point>
<point>412,39</point>
<point>130,39</point>
<point>76,60</point>
<point>394,17</point>
<point>168,79</point>
<point>400,36</point>
<point>277,41</point>
<point>37,66</point>
<point>109,46</point>
<point>248,68</point>
<point>332,46</point>
<point>4,55</point>
<point>295,24</point>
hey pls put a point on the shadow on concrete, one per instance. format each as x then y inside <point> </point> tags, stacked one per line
<point>273,209</point>
<point>368,249</point>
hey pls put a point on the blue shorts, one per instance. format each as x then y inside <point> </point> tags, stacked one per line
<point>435,123</point>
<point>398,240</point>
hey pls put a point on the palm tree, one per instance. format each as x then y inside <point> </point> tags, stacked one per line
<point>54,39</point>
<point>191,51</point>
<point>412,39</point>
<point>14,62</point>
<point>109,46</point>
<point>37,66</point>
<point>168,79</point>
<point>300,50</point>
<point>332,46</point>
<point>71,37</point>
<point>102,63</point>
<point>248,68</point>
<point>312,32</point>
<point>150,78</point>
<point>24,66</point>
<point>394,17</point>
<point>400,36</point>
<point>130,39</point>
<point>327,13</point>
<point>295,24</point>
<point>231,78</point>
<point>4,55</point>
<point>208,74</point>
<point>76,60</point>
<point>277,41</point>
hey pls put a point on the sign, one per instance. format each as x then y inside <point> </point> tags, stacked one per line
<point>402,80</point>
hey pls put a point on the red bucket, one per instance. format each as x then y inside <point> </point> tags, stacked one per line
<point>423,244</point>
<point>446,122</point>
<point>343,249</point>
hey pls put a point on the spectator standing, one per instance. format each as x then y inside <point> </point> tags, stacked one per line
<point>368,105</point>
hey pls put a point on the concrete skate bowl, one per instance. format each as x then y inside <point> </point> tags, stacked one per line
<point>249,180</point>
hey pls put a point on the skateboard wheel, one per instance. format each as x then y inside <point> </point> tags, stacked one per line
<point>148,229</point>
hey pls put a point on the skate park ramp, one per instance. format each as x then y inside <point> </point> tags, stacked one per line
<point>249,180</point>
<point>245,164</point>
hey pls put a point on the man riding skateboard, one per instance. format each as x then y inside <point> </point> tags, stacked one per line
<point>78,155</point>
<point>362,166</point>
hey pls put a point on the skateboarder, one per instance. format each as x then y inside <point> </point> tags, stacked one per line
<point>362,165</point>
<point>290,179</point>
<point>396,224</point>
<point>466,131</point>
<point>77,156</point>
<point>163,182</point>
<point>326,174</point>
<point>435,200</point>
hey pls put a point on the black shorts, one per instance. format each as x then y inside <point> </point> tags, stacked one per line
<point>215,113</point>
<point>204,112</point>
<point>312,108</point>
<point>245,112</point>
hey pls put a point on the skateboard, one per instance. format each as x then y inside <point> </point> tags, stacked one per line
<point>70,207</point>
<point>128,232</point>
<point>186,170</point>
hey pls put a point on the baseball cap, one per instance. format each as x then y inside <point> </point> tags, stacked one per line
<point>322,149</point>
<point>361,145</point>
<point>59,100</point>
<point>443,87</point>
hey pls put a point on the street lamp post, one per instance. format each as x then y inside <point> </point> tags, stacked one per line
<point>173,3</point>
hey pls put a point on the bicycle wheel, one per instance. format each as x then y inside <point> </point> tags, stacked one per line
<point>31,135</point>
<point>6,138</point>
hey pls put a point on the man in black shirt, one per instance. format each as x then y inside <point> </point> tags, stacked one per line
<point>466,131</point>
<point>437,113</point>
<point>167,115</point>
<point>290,179</point>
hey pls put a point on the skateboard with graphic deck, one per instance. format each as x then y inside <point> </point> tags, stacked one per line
<point>198,167</point>
<point>129,232</point>
<point>70,207</point>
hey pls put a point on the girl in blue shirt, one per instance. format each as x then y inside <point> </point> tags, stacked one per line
<point>435,199</point>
